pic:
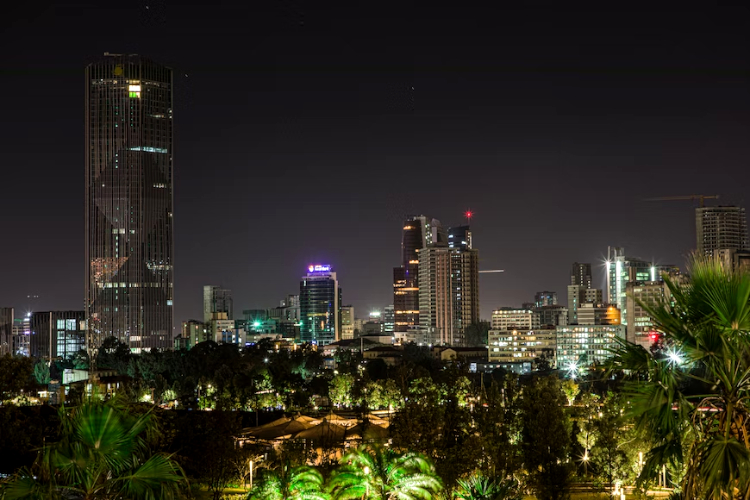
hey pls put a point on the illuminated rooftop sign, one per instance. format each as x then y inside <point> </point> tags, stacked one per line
<point>317,268</point>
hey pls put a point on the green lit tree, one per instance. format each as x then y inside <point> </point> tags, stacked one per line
<point>41,372</point>
<point>571,390</point>
<point>341,390</point>
<point>383,474</point>
<point>289,483</point>
<point>102,454</point>
<point>479,487</point>
<point>692,399</point>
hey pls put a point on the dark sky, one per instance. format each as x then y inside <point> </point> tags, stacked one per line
<point>306,132</point>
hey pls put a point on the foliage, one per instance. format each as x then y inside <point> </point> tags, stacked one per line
<point>381,473</point>
<point>571,390</point>
<point>15,375</point>
<point>608,455</point>
<point>691,400</point>
<point>340,390</point>
<point>41,372</point>
<point>546,439</point>
<point>479,487</point>
<point>476,334</point>
<point>23,430</point>
<point>289,483</point>
<point>102,454</point>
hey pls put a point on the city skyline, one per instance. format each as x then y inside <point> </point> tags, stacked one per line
<point>535,118</point>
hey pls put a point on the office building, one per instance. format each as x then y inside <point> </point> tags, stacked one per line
<point>448,291</point>
<point>521,345</point>
<point>720,228</point>
<point>217,300</point>
<point>347,322</point>
<point>551,315</point>
<point>580,274</point>
<point>460,237</point>
<point>545,298</point>
<point>6,330</point>
<point>582,345</point>
<point>599,314</point>
<point>320,306</point>
<point>734,259</point>
<point>622,269</point>
<point>221,329</point>
<point>389,319</point>
<point>514,319</point>
<point>194,332</point>
<point>129,202</point>
<point>21,335</point>
<point>651,294</point>
<point>57,334</point>
<point>418,233</point>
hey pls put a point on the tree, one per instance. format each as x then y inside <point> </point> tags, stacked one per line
<point>15,375</point>
<point>704,366</point>
<point>571,390</point>
<point>340,390</point>
<point>381,473</point>
<point>289,483</point>
<point>476,334</point>
<point>41,372</point>
<point>479,487</point>
<point>102,454</point>
<point>545,438</point>
<point>608,455</point>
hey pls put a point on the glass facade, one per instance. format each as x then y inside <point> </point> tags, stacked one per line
<point>585,343</point>
<point>57,334</point>
<point>129,173</point>
<point>320,307</point>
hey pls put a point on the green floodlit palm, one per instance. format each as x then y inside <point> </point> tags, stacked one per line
<point>382,474</point>
<point>289,483</point>
<point>480,487</point>
<point>102,455</point>
<point>706,430</point>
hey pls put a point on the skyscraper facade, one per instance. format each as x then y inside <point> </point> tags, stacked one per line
<point>720,228</point>
<point>57,334</point>
<point>320,306</point>
<point>217,300</point>
<point>418,232</point>
<point>580,274</point>
<point>6,330</point>
<point>129,207</point>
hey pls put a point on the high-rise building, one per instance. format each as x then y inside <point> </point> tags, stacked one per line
<point>719,228</point>
<point>57,334</point>
<point>217,300</point>
<point>545,298</point>
<point>129,202</point>
<point>6,330</point>
<point>418,232</point>
<point>22,335</point>
<point>598,314</point>
<point>640,326</point>
<point>347,322</point>
<point>580,274</point>
<point>551,315</point>
<point>460,237</point>
<point>320,306</point>
<point>448,289</point>
<point>193,333</point>
<point>622,269</point>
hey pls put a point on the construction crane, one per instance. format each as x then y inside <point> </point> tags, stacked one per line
<point>693,197</point>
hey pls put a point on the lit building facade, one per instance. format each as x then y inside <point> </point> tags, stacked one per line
<point>22,335</point>
<point>418,232</point>
<point>580,274</point>
<point>599,314</point>
<point>57,334</point>
<point>622,269</point>
<point>6,330</point>
<point>217,300</point>
<point>545,298</point>
<point>521,345</point>
<point>719,228</point>
<point>320,306</point>
<point>586,344</point>
<point>389,319</point>
<point>347,322</point>
<point>514,319</point>
<point>129,202</point>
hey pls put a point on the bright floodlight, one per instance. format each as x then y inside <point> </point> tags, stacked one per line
<point>674,357</point>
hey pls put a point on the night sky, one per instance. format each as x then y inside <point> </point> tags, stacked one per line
<point>306,132</point>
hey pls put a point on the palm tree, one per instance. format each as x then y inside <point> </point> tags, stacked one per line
<point>381,473</point>
<point>691,401</point>
<point>289,483</point>
<point>479,487</point>
<point>102,454</point>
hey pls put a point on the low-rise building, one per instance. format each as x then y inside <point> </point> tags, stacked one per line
<point>508,319</point>
<point>521,345</point>
<point>475,354</point>
<point>586,344</point>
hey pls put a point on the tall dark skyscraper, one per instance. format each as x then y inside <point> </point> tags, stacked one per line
<point>580,274</point>
<point>216,300</point>
<point>129,202</point>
